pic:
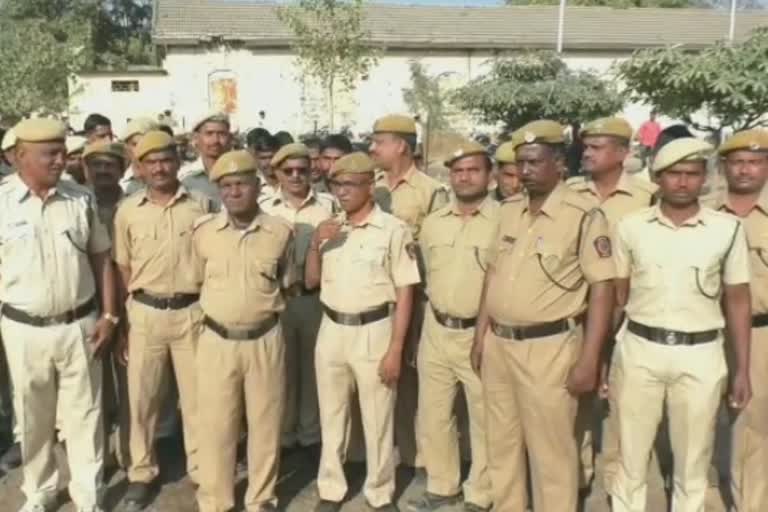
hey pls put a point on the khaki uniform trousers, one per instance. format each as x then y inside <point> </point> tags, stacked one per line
<point>691,380</point>
<point>444,364</point>
<point>529,409</point>
<point>50,365</point>
<point>154,336</point>
<point>749,463</point>
<point>301,321</point>
<point>348,357</point>
<point>407,420</point>
<point>236,374</point>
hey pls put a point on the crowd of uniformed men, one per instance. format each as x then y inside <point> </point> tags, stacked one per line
<point>311,295</point>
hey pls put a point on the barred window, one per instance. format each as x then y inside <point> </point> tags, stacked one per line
<point>125,86</point>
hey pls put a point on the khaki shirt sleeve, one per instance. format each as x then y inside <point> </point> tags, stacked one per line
<point>404,269</point>
<point>288,268</point>
<point>736,266</point>
<point>621,253</point>
<point>121,249</point>
<point>596,252</point>
<point>98,241</point>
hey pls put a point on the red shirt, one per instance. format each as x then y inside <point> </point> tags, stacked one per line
<point>648,133</point>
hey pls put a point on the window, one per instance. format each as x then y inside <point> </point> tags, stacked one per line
<point>125,86</point>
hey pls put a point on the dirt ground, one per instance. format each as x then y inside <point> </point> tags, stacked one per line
<point>297,491</point>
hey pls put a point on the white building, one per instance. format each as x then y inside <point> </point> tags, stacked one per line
<point>236,55</point>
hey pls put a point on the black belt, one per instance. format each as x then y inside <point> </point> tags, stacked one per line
<point>532,331</point>
<point>73,315</point>
<point>760,320</point>
<point>667,337</point>
<point>452,322</point>
<point>374,315</point>
<point>241,334</point>
<point>177,301</point>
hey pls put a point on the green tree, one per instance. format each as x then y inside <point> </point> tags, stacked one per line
<point>44,42</point>
<point>618,4</point>
<point>725,83</point>
<point>537,85</point>
<point>425,97</point>
<point>331,43</point>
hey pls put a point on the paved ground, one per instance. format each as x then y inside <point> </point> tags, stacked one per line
<point>297,490</point>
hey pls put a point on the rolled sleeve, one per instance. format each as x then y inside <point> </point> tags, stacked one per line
<point>596,255</point>
<point>736,267</point>
<point>404,269</point>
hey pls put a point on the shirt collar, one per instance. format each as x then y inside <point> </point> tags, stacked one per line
<point>407,178</point>
<point>655,214</point>
<point>180,192</point>
<point>553,203</point>
<point>721,202</point>
<point>375,219</point>
<point>622,186</point>
<point>21,191</point>
<point>279,199</point>
<point>483,209</point>
<point>222,221</point>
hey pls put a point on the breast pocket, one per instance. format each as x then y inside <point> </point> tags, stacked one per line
<point>263,276</point>
<point>143,242</point>
<point>217,274</point>
<point>440,254</point>
<point>373,261</point>
<point>74,235</point>
<point>758,251</point>
<point>706,277</point>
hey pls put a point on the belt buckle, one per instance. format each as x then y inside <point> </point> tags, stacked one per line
<point>452,323</point>
<point>670,338</point>
<point>517,333</point>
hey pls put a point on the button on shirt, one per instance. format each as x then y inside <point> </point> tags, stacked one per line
<point>412,198</point>
<point>631,194</point>
<point>545,262</point>
<point>315,208</point>
<point>244,269</point>
<point>44,246</point>
<point>456,251</point>
<point>756,229</point>
<point>363,266</point>
<point>676,272</point>
<point>155,242</point>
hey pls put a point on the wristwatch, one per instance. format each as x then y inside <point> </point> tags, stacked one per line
<point>111,318</point>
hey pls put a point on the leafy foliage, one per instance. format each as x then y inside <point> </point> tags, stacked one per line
<point>728,83</point>
<point>425,98</point>
<point>537,85</point>
<point>622,4</point>
<point>44,42</point>
<point>330,42</point>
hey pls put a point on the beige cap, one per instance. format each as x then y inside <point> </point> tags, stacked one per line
<point>139,126</point>
<point>9,140</point>
<point>505,153</point>
<point>610,126</point>
<point>115,149</point>
<point>292,150</point>
<point>211,117</point>
<point>233,162</point>
<point>153,141</point>
<point>687,149</point>
<point>539,132</point>
<point>353,163</point>
<point>465,148</point>
<point>75,144</point>
<point>40,130</point>
<point>395,123</point>
<point>747,140</point>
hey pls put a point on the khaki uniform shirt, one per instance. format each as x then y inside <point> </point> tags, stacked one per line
<point>456,251</point>
<point>244,269</point>
<point>315,209</point>
<point>362,268</point>
<point>756,229</point>
<point>198,181</point>
<point>44,247</point>
<point>155,242</point>
<point>676,272</point>
<point>544,263</point>
<point>195,167</point>
<point>414,197</point>
<point>631,194</point>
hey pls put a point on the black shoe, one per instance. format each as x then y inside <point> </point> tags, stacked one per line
<point>471,507</point>
<point>11,459</point>
<point>313,452</point>
<point>137,496</point>
<point>328,506</point>
<point>428,502</point>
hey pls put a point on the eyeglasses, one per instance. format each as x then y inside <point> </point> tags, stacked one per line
<point>295,171</point>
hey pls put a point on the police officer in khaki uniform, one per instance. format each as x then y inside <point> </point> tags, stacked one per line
<point>153,251</point>
<point>552,267</point>
<point>246,258</point>
<point>366,266</point>
<point>131,136</point>
<point>212,138</point>
<point>74,166</point>
<point>678,293</point>
<point>745,163</point>
<point>410,195</point>
<point>57,273</point>
<point>606,146</point>
<point>304,209</point>
<point>508,183</point>
<point>455,242</point>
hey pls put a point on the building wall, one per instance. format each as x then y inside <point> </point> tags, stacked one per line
<point>268,82</point>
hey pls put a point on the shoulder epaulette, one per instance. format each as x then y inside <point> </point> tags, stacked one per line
<point>578,201</point>
<point>202,220</point>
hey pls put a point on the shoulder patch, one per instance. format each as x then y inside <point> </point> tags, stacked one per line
<point>603,246</point>
<point>202,220</point>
